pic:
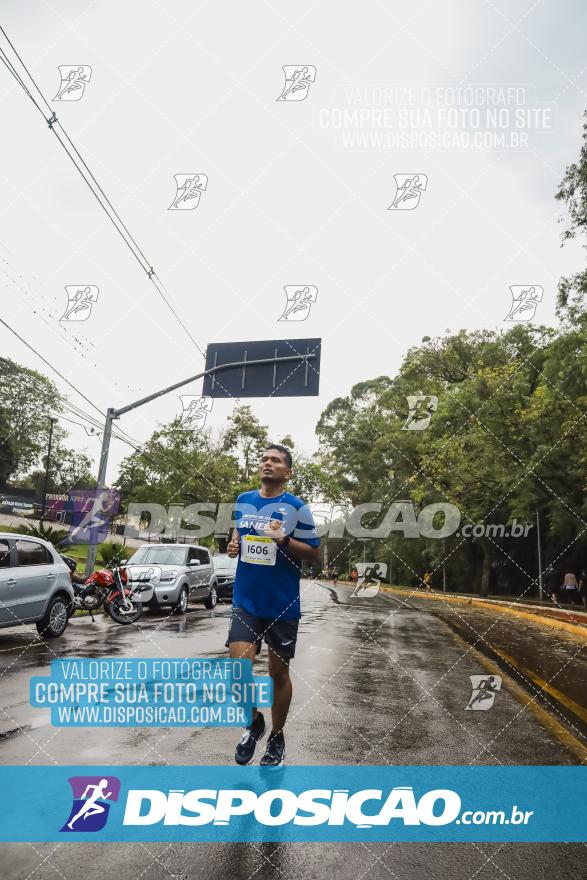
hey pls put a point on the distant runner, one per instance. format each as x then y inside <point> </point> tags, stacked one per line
<point>275,533</point>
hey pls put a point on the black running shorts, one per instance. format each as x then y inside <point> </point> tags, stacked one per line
<point>280,635</point>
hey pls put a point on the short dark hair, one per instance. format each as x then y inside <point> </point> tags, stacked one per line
<point>284,451</point>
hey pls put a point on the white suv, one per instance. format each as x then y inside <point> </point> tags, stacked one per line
<point>181,572</point>
<point>35,585</point>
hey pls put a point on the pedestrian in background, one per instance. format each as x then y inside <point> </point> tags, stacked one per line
<point>583,586</point>
<point>569,592</point>
<point>551,583</point>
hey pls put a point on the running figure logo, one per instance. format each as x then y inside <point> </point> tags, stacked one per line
<point>92,511</point>
<point>89,811</point>
<point>194,411</point>
<point>525,299</point>
<point>297,82</point>
<point>144,574</point>
<point>369,580</point>
<point>74,79</point>
<point>80,299</point>
<point>409,189</point>
<point>421,409</point>
<point>485,687</point>
<point>299,302</point>
<point>188,187</point>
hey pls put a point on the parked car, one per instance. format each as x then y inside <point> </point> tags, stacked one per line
<point>225,568</point>
<point>181,573</point>
<point>35,585</point>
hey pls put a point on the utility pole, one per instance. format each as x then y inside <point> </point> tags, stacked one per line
<point>539,553</point>
<point>47,466</point>
<point>112,414</point>
<point>129,493</point>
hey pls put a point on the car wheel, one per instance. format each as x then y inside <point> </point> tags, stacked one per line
<point>212,599</point>
<point>54,622</point>
<point>181,606</point>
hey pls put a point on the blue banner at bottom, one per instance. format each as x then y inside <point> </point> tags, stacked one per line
<point>309,804</point>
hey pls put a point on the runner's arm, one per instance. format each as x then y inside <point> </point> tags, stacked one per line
<point>233,544</point>
<point>303,551</point>
<point>297,549</point>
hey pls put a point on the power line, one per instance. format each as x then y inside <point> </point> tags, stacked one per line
<point>55,370</point>
<point>91,181</point>
<point>158,459</point>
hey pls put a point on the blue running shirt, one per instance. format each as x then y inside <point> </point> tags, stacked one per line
<point>270,590</point>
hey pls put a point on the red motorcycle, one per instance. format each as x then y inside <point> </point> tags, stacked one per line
<point>107,587</point>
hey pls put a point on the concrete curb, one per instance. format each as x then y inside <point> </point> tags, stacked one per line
<point>577,629</point>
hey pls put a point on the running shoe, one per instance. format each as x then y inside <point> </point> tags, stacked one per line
<point>275,751</point>
<point>245,749</point>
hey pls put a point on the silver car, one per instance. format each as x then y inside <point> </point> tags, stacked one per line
<point>225,568</point>
<point>180,573</point>
<point>35,585</point>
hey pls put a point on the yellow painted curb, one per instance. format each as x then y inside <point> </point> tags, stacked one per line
<point>545,686</point>
<point>576,629</point>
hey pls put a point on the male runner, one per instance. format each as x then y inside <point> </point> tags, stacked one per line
<point>275,533</point>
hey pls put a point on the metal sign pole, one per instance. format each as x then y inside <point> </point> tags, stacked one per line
<point>112,414</point>
<point>101,481</point>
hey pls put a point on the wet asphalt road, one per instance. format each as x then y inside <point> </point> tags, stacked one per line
<point>375,682</point>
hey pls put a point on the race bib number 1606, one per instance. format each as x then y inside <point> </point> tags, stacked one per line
<point>258,550</point>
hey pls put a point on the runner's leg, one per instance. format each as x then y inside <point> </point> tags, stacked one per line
<point>282,689</point>
<point>244,651</point>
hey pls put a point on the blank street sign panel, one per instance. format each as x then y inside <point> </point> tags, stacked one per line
<point>291,378</point>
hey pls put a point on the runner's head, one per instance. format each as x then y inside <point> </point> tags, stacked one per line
<point>276,465</point>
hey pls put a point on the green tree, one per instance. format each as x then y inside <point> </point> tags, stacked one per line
<point>8,451</point>
<point>246,438</point>
<point>68,470</point>
<point>314,480</point>
<point>507,437</point>
<point>573,192</point>
<point>28,400</point>
<point>178,466</point>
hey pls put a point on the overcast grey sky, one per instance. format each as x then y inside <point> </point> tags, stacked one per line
<point>184,87</point>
